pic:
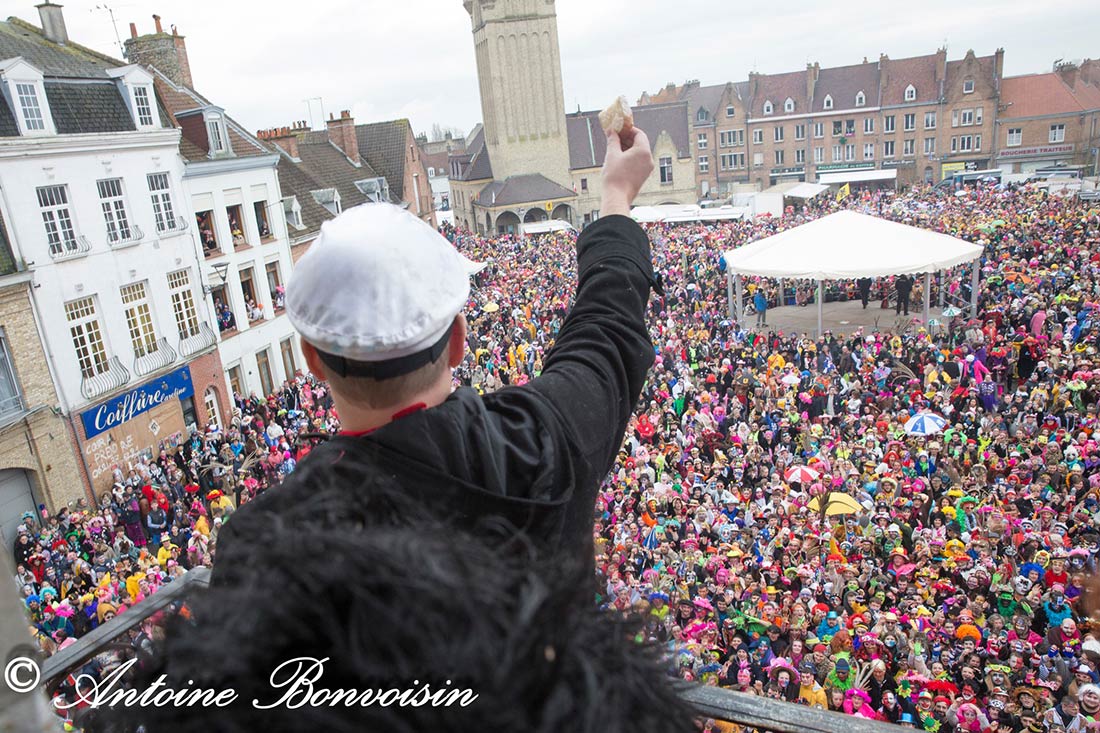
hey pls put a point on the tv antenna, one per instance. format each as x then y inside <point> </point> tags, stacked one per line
<point>309,106</point>
<point>114,24</point>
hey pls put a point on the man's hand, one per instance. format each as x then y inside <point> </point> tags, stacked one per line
<point>627,165</point>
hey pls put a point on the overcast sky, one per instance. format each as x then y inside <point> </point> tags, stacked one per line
<point>385,59</point>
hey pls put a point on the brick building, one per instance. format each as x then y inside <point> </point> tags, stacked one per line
<point>909,117</point>
<point>1048,120</point>
<point>38,463</point>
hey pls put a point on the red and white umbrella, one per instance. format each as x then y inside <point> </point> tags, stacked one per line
<point>801,474</point>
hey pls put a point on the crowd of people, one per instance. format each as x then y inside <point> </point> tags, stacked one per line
<point>768,514</point>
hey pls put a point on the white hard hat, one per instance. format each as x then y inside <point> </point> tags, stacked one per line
<point>378,286</point>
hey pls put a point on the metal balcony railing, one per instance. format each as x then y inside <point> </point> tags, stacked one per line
<point>130,236</point>
<point>197,342</point>
<point>750,711</point>
<point>77,248</point>
<point>114,377</point>
<point>158,358</point>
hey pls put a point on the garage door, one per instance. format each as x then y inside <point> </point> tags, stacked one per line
<point>15,498</point>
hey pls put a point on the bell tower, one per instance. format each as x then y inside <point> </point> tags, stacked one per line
<point>519,75</point>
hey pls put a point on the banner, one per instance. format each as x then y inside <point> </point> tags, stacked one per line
<point>117,410</point>
<point>844,192</point>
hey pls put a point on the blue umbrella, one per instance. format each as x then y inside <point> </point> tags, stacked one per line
<point>925,423</point>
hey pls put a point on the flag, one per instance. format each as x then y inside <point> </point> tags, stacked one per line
<point>844,192</point>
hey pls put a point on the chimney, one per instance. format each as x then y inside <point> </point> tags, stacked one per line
<point>1069,72</point>
<point>285,137</point>
<point>998,67</point>
<point>812,71</point>
<point>883,72</point>
<point>167,53</point>
<point>53,22</point>
<point>941,64</point>
<point>341,133</point>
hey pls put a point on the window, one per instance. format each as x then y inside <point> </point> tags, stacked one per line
<point>704,164</point>
<point>1015,136</point>
<point>11,398</point>
<point>259,208</point>
<point>730,161</point>
<point>861,99</point>
<point>286,346</point>
<point>731,138</point>
<point>236,224</point>
<point>778,133</point>
<point>800,155</point>
<point>210,402</point>
<point>666,170</point>
<point>236,383</point>
<point>139,320</point>
<point>725,162</point>
<point>738,160</point>
<point>274,284</point>
<point>1057,133</point>
<point>888,123</point>
<point>977,142</point>
<point>838,127</point>
<point>584,184</point>
<point>849,127</point>
<point>215,136</point>
<point>929,120</point>
<point>788,106</point>
<point>702,141</point>
<point>114,210</point>
<point>966,117</point>
<point>910,122</point>
<point>779,156</point>
<point>768,107</point>
<point>161,196</point>
<point>962,144</point>
<point>28,103</point>
<point>968,86</point>
<point>729,111</point>
<point>757,160</point>
<point>954,118</point>
<point>819,130</point>
<point>144,109</point>
<point>828,103</point>
<point>819,154</point>
<point>888,149</point>
<point>183,303</point>
<point>204,221</point>
<point>702,115</point>
<point>910,93</point>
<point>868,151</point>
<point>850,151</point>
<point>799,132</point>
<point>263,366</point>
<point>929,146</point>
<point>758,136</point>
<point>868,125</point>
<point>87,337</point>
<point>431,172</point>
<point>838,152</point>
<point>908,147</point>
<point>249,291</point>
<point>978,116</point>
<point>60,233</point>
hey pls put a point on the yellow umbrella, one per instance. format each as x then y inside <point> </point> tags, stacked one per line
<point>837,504</point>
<point>490,308</point>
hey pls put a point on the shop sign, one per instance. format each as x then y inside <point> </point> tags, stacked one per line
<point>124,407</point>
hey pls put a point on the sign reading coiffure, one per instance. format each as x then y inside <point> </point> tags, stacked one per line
<point>117,410</point>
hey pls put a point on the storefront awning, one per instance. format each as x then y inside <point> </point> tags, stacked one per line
<point>857,176</point>
<point>806,190</point>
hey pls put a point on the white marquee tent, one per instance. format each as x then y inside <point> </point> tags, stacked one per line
<point>848,245</point>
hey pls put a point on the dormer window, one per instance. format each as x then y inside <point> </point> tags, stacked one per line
<point>143,106</point>
<point>702,116</point>
<point>861,98</point>
<point>25,95</point>
<point>215,134</point>
<point>788,106</point>
<point>828,103</point>
<point>293,211</point>
<point>968,86</point>
<point>768,109</point>
<point>136,86</point>
<point>375,189</point>
<point>910,93</point>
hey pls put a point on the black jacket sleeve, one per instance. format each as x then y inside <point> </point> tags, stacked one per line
<point>594,374</point>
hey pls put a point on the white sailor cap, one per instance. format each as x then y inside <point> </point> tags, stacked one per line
<point>377,292</point>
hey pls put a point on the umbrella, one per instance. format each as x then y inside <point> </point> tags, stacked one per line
<point>800,474</point>
<point>791,379</point>
<point>925,423</point>
<point>490,308</point>
<point>951,311</point>
<point>836,503</point>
